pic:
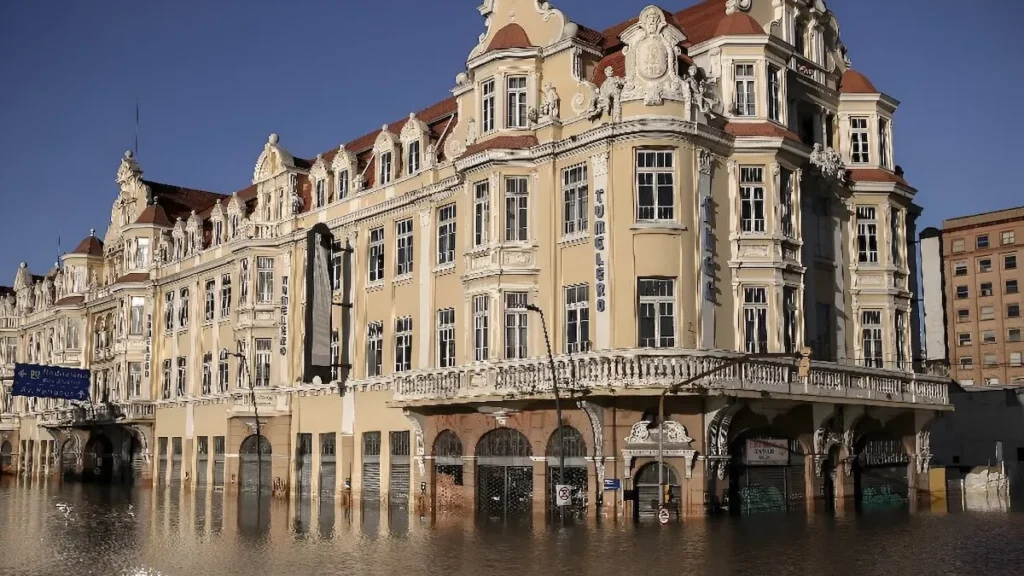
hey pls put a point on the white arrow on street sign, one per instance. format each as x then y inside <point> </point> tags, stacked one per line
<point>563,494</point>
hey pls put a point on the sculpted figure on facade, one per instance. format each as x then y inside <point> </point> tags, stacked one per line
<point>608,100</point>
<point>701,93</point>
<point>829,162</point>
<point>549,107</point>
<point>652,59</point>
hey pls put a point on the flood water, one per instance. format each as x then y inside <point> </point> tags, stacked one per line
<point>51,529</point>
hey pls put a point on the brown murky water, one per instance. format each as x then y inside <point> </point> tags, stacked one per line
<point>54,529</point>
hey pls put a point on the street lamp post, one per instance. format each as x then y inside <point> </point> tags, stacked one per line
<point>558,405</point>
<point>224,353</point>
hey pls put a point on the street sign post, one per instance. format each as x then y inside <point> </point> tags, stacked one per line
<point>563,495</point>
<point>50,382</point>
<point>612,484</point>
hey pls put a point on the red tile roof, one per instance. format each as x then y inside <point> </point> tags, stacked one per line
<point>511,36</point>
<point>700,20</point>
<point>69,300</point>
<point>154,214</point>
<point>90,246</point>
<point>179,202</point>
<point>854,82</point>
<point>875,175</point>
<point>133,277</point>
<point>503,143</point>
<point>738,24</point>
<point>769,129</point>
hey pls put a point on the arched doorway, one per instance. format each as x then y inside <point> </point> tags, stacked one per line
<point>829,478</point>
<point>575,472</point>
<point>98,461</point>
<point>448,470</point>
<point>68,458</point>
<point>255,465</point>
<point>647,486</point>
<point>504,487</point>
<point>6,460</point>
<point>880,474</point>
<point>767,474</point>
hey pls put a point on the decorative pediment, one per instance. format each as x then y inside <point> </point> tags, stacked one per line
<point>319,169</point>
<point>23,279</point>
<point>179,229</point>
<point>273,161</point>
<point>129,171</point>
<point>194,222</point>
<point>414,129</point>
<point>543,24</point>
<point>643,433</point>
<point>235,205</point>
<point>652,59</point>
<point>386,141</point>
<point>344,160</point>
<point>218,211</point>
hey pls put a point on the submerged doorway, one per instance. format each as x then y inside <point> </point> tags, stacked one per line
<point>504,476</point>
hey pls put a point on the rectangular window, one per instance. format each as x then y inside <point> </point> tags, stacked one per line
<point>867,235</point>
<point>990,359</point>
<point>138,316</point>
<point>822,213</point>
<point>321,193</point>
<point>987,313</point>
<point>135,378</point>
<point>413,161</point>
<point>446,338</point>
<point>789,315</point>
<point>264,280</point>
<point>1009,262</point>
<point>517,209</point>
<point>515,325</point>
<point>963,315</point>
<point>1013,335</point>
<point>981,242</point>
<point>577,318</point>
<point>966,363</point>
<point>800,38</point>
<point>752,199</point>
<point>342,179</point>
<point>515,98</point>
<point>961,292</point>
<point>263,361</point>
<point>375,257</point>
<point>957,246</point>
<point>169,311</point>
<point>984,265</point>
<point>657,317</point>
<point>755,319</point>
<point>403,247</point>
<point>960,268</point>
<point>481,327</point>
<point>446,235</point>
<point>1013,310</point>
<point>964,339</point>
<point>822,345</point>
<point>403,344</point>
<point>895,237</point>
<point>335,356</point>
<point>655,184</point>
<point>225,296</point>
<point>1011,287</point>
<point>871,337</point>
<point>746,96</point>
<point>384,173</point>
<point>786,182</point>
<point>859,152</point>
<point>574,194</point>
<point>243,281</point>
<point>481,212</point>
<point>1015,359</point>
<point>487,106</point>
<point>223,371</point>
<point>210,300</point>
<point>985,289</point>
<point>242,375</point>
<point>142,252</point>
<point>374,349</point>
<point>218,232</point>
<point>336,254</point>
<point>885,154</point>
<point>901,339</point>
<point>774,91</point>
<point>165,380</point>
<point>207,373</point>
<point>183,308</point>
<point>988,337</point>
<point>182,384</point>
<point>1007,237</point>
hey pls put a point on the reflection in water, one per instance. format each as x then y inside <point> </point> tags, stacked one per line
<point>175,531</point>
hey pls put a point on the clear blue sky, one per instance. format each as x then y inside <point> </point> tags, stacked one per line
<point>215,77</point>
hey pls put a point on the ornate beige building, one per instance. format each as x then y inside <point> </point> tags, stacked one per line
<point>671,192</point>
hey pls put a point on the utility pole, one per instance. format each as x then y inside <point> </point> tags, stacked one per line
<point>224,353</point>
<point>558,406</point>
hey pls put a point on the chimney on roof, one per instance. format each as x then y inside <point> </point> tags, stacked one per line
<point>899,171</point>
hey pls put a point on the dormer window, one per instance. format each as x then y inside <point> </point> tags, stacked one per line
<point>487,106</point>
<point>234,225</point>
<point>384,174</point>
<point>342,178</point>
<point>413,161</point>
<point>218,232</point>
<point>884,151</point>
<point>774,92</point>
<point>515,97</point>
<point>745,94</point>
<point>800,38</point>
<point>321,193</point>
<point>859,141</point>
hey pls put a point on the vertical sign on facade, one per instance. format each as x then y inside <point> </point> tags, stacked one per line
<point>317,359</point>
<point>149,346</point>
<point>284,315</point>
<point>602,321</point>
<point>707,251</point>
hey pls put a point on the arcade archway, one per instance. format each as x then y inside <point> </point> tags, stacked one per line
<point>255,468</point>
<point>98,461</point>
<point>504,487</point>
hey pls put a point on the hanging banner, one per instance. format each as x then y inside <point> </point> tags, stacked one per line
<point>767,452</point>
<point>41,381</point>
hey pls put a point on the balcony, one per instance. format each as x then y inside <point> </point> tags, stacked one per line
<point>269,402</point>
<point>650,371</point>
<point>9,422</point>
<point>120,413</point>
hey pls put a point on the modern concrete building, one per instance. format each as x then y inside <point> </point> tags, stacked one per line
<point>672,193</point>
<point>972,285</point>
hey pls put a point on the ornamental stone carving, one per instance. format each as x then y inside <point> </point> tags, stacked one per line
<point>829,162</point>
<point>274,160</point>
<point>652,59</point>
<point>608,99</point>
<point>549,106</point>
<point>129,170</point>
<point>924,451</point>
<point>675,433</point>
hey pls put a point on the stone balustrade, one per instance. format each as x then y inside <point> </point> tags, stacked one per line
<point>656,369</point>
<point>123,412</point>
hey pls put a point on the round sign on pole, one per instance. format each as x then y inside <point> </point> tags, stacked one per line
<point>563,495</point>
<point>663,515</point>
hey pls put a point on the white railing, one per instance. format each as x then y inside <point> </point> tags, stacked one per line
<point>645,369</point>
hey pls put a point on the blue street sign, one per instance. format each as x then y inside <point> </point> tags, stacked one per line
<point>50,382</point>
<point>612,484</point>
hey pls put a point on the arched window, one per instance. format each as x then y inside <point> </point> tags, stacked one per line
<point>575,446</point>
<point>503,443</point>
<point>448,448</point>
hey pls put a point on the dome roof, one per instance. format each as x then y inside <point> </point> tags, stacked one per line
<point>738,24</point>
<point>511,36</point>
<point>854,82</point>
